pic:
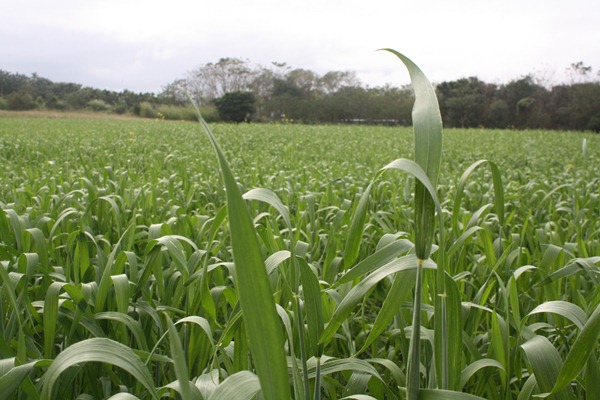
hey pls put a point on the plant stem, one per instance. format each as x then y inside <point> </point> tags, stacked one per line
<point>413,382</point>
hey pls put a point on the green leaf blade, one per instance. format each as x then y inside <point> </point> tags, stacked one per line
<point>581,350</point>
<point>427,126</point>
<point>99,350</point>
<point>256,299</point>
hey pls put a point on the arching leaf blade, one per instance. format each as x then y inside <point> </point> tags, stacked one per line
<point>256,299</point>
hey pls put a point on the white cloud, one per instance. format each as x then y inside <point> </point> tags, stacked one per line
<point>143,45</point>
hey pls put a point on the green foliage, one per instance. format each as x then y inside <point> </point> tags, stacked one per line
<point>285,94</point>
<point>180,113</point>
<point>56,104</point>
<point>594,123</point>
<point>145,110</point>
<point>98,105</point>
<point>177,113</point>
<point>117,261</point>
<point>255,293</point>
<point>20,101</point>
<point>236,106</point>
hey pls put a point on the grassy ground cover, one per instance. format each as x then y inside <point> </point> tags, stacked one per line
<point>117,275</point>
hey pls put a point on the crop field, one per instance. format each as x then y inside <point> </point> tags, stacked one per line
<point>118,281</point>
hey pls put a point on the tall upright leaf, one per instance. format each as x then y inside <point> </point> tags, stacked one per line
<point>427,126</point>
<point>256,299</point>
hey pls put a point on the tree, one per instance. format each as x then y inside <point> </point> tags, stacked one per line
<point>498,114</point>
<point>463,103</point>
<point>579,72</point>
<point>576,106</point>
<point>214,80</point>
<point>10,82</point>
<point>306,81</point>
<point>235,106</point>
<point>262,87</point>
<point>333,81</point>
<point>21,100</point>
<point>526,102</point>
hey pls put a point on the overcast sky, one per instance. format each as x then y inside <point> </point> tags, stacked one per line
<point>144,45</point>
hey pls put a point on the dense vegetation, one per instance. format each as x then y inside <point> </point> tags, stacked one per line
<point>115,248</point>
<point>283,93</point>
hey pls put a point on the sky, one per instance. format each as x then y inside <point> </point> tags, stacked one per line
<point>144,45</point>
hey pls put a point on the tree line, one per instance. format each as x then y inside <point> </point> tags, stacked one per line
<point>21,92</point>
<point>237,90</point>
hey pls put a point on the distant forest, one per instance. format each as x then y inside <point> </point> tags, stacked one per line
<point>236,90</point>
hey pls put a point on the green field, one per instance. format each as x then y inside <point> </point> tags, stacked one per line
<point>117,276</point>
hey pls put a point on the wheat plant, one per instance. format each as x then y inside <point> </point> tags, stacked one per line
<point>323,262</point>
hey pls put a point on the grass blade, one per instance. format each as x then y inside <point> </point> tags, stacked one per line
<point>98,350</point>
<point>498,191</point>
<point>241,386</point>
<point>546,364</point>
<point>358,292</point>
<point>123,396</point>
<point>256,299</point>
<point>475,366</point>
<point>568,310</point>
<point>592,375</point>
<point>313,307</point>
<point>187,389</point>
<point>414,169</point>
<point>50,317</point>
<point>438,394</point>
<point>427,126</point>
<point>267,196</point>
<point>413,376</point>
<point>413,369</point>
<point>399,292</point>
<point>356,229</point>
<point>11,380</point>
<point>376,260</point>
<point>331,366</point>
<point>581,350</point>
<point>454,333</point>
